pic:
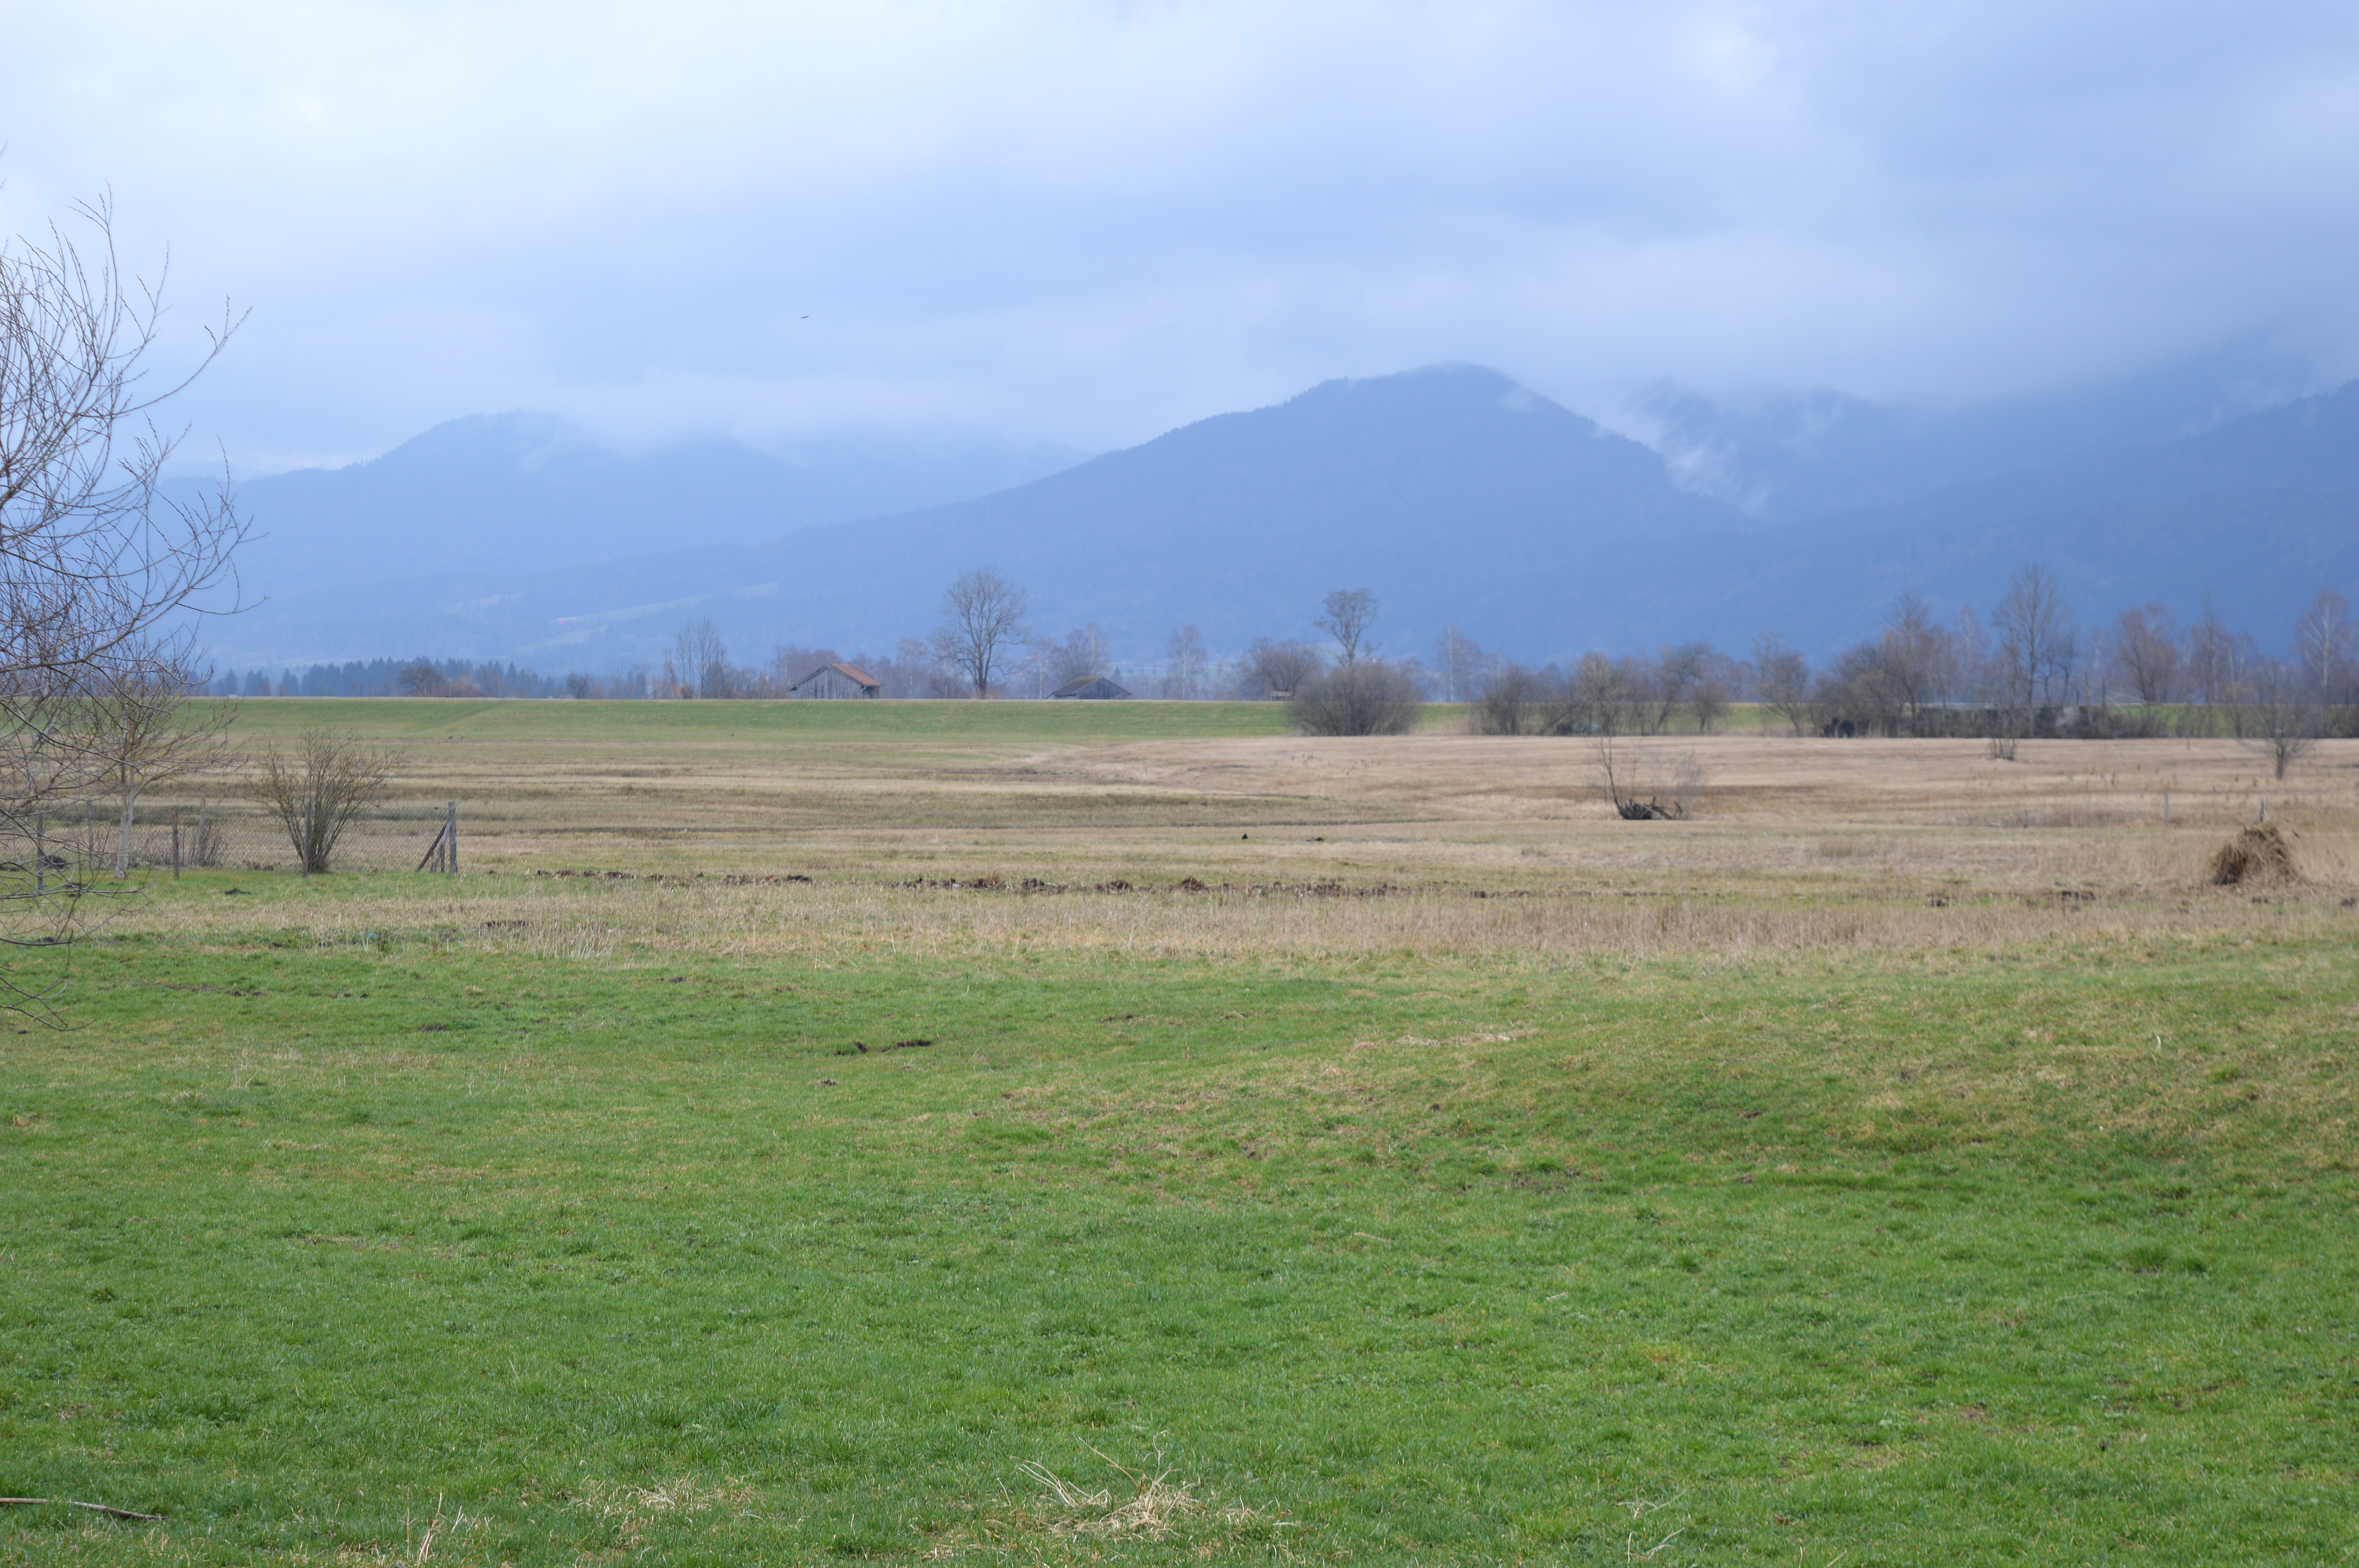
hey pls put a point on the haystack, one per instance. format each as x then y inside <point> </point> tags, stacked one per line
<point>2258,855</point>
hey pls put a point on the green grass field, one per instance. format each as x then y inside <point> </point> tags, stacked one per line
<point>1077,723</point>
<point>396,1247</point>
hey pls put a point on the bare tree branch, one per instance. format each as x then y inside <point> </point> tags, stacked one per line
<point>982,622</point>
<point>1350,613</point>
<point>101,573</point>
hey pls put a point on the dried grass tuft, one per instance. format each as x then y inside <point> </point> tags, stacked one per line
<point>632,1509</point>
<point>2258,857</point>
<point>1156,1508</point>
<point>419,1546</point>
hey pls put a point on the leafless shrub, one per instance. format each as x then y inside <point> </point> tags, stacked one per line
<point>1513,701</point>
<point>1277,669</point>
<point>1688,781</point>
<point>315,793</point>
<point>1634,784</point>
<point>1371,698</point>
<point>2277,717</point>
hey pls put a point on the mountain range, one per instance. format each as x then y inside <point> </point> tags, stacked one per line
<point>1457,495</point>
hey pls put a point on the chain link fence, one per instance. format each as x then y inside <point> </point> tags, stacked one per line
<point>236,834</point>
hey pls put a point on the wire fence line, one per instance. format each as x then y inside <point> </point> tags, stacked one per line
<point>84,839</point>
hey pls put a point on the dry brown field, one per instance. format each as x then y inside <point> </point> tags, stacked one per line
<point>585,840</point>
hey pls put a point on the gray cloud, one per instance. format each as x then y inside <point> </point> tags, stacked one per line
<point>1090,222</point>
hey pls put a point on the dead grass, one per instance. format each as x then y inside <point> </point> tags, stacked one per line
<point>2261,855</point>
<point>436,1539</point>
<point>633,1510</point>
<point>1139,1504</point>
<point>757,801</point>
<point>1288,848</point>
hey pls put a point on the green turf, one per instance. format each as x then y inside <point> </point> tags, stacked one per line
<point>2045,1256</point>
<point>517,719</point>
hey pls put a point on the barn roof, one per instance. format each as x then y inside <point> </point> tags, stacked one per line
<point>1080,683</point>
<point>858,678</point>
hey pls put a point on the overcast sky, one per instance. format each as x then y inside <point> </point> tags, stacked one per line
<point>1086,222</point>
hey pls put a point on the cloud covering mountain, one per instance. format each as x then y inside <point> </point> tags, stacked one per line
<point>1088,220</point>
<point>1458,496</point>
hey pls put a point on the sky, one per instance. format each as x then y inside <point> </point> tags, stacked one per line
<point>1087,222</point>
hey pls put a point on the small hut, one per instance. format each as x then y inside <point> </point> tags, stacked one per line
<point>837,681</point>
<point>1091,688</point>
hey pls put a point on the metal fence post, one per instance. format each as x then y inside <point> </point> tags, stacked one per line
<point>450,838</point>
<point>176,843</point>
<point>40,853</point>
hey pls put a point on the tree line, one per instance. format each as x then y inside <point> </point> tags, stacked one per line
<point>2031,669</point>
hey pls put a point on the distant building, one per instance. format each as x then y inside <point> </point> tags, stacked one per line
<point>838,681</point>
<point>1090,687</point>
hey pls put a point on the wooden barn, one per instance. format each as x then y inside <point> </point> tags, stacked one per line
<point>1095,689</point>
<point>837,681</point>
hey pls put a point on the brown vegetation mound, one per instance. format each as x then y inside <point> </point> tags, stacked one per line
<point>2260,854</point>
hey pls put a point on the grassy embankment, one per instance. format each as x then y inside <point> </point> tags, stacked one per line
<point>562,1220</point>
<point>654,723</point>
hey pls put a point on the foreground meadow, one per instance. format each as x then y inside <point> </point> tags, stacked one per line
<point>1174,1149</point>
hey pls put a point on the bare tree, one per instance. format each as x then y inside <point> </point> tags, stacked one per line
<point>2323,642</point>
<point>1279,669</point>
<point>1080,656</point>
<point>1183,663</point>
<point>317,792</point>
<point>1597,698</point>
<point>1782,677</point>
<point>1916,657</point>
<point>696,663</point>
<point>1708,698</point>
<point>1350,613</point>
<point>2036,645</point>
<point>421,679</point>
<point>2146,654</point>
<point>982,622</point>
<point>1671,683</point>
<point>100,569</point>
<point>1460,664</point>
<point>151,734</point>
<point>2275,716</point>
<point>2212,665</point>
<point>1862,688</point>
